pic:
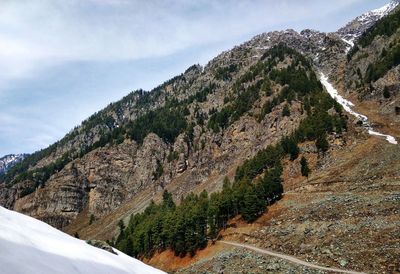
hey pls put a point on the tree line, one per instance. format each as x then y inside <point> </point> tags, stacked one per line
<point>188,227</point>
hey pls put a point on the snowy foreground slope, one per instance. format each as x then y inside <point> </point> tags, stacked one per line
<point>31,246</point>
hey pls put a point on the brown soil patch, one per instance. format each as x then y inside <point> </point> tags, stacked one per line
<point>168,262</point>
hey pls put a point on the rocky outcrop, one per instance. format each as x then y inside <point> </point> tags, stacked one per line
<point>102,245</point>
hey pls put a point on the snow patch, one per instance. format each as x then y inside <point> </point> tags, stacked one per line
<point>350,42</point>
<point>386,9</point>
<point>347,105</point>
<point>31,246</point>
<point>360,24</point>
<point>8,161</point>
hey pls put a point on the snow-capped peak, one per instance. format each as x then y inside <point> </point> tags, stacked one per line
<point>380,12</point>
<point>358,26</point>
<point>386,9</point>
<point>8,161</point>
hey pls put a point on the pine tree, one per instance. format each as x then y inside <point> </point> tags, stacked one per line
<point>322,143</point>
<point>168,202</point>
<point>289,146</point>
<point>212,214</point>
<point>91,219</point>
<point>286,111</point>
<point>386,93</point>
<point>305,170</point>
<point>252,205</point>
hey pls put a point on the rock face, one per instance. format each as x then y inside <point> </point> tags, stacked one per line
<point>103,179</point>
<point>100,180</point>
<point>102,245</point>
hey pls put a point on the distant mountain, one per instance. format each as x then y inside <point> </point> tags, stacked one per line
<point>363,22</point>
<point>31,246</point>
<point>8,161</point>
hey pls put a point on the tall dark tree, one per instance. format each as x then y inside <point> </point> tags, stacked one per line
<point>286,110</point>
<point>253,206</point>
<point>322,143</point>
<point>289,146</point>
<point>168,202</point>
<point>305,170</point>
<point>386,92</point>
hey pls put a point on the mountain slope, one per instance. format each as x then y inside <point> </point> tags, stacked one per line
<point>359,25</point>
<point>8,161</point>
<point>91,158</point>
<point>191,132</point>
<point>30,246</point>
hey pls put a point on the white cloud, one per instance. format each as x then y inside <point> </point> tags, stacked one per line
<point>61,60</point>
<point>38,34</point>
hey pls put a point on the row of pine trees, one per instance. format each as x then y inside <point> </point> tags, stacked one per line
<point>188,227</point>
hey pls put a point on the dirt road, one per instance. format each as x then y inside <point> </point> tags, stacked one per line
<point>290,258</point>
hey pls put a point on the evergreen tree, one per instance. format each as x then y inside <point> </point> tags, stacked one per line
<point>386,92</point>
<point>286,111</point>
<point>168,202</point>
<point>252,205</point>
<point>305,170</point>
<point>212,215</point>
<point>322,143</point>
<point>289,146</point>
<point>91,219</point>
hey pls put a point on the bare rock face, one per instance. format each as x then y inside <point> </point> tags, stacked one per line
<point>64,196</point>
<point>151,154</point>
<point>181,148</point>
<point>100,181</point>
<point>7,195</point>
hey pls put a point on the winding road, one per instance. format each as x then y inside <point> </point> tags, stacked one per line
<point>290,258</point>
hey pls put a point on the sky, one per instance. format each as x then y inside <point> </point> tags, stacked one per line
<point>63,60</point>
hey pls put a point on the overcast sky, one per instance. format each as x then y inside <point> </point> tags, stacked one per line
<point>62,60</point>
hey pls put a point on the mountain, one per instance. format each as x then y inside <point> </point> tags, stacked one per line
<point>313,115</point>
<point>359,25</point>
<point>8,161</point>
<point>31,246</point>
